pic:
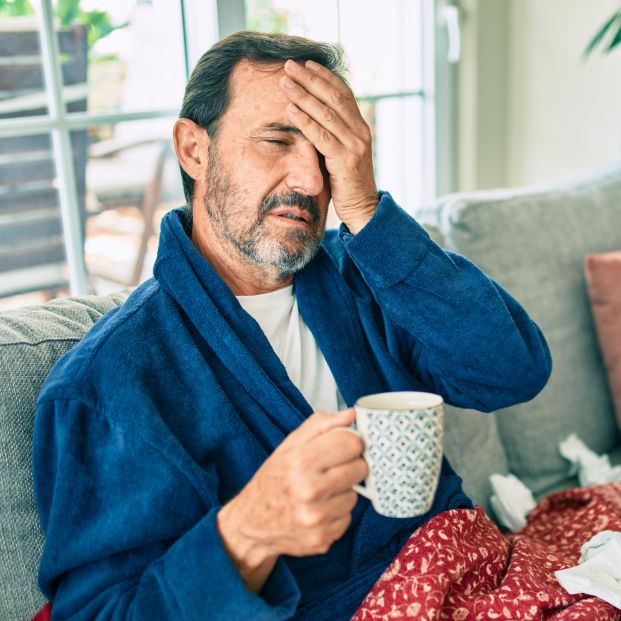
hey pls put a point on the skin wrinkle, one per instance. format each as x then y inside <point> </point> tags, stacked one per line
<point>256,153</point>
<point>223,200</point>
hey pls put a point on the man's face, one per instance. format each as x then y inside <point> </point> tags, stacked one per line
<point>266,191</point>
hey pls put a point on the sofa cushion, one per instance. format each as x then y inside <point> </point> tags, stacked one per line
<point>31,340</point>
<point>474,449</point>
<point>603,275</point>
<point>533,243</point>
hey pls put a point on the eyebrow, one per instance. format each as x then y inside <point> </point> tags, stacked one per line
<point>279,127</point>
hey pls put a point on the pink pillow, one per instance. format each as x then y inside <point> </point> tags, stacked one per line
<point>603,275</point>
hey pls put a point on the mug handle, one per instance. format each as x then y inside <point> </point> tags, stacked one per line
<point>363,491</point>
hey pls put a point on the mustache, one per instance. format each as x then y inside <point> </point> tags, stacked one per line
<point>293,199</point>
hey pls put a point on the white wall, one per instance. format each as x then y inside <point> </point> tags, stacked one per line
<point>531,110</point>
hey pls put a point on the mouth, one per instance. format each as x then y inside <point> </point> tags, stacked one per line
<point>292,215</point>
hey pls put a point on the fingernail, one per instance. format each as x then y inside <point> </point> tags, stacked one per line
<point>288,82</point>
<point>292,108</point>
<point>291,64</point>
<point>311,64</point>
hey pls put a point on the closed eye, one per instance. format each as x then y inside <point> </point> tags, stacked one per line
<point>276,142</point>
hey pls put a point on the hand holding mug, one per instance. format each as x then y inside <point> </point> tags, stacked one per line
<point>299,501</point>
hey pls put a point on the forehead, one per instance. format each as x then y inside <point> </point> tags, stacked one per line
<point>256,96</point>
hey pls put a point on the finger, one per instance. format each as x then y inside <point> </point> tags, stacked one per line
<point>327,88</point>
<point>327,75</point>
<point>321,540</point>
<point>333,532</point>
<point>320,513</point>
<point>322,114</point>
<point>317,424</point>
<point>323,512</point>
<point>332,448</point>
<point>312,485</point>
<point>341,478</point>
<point>339,526</point>
<point>323,139</point>
<point>340,506</point>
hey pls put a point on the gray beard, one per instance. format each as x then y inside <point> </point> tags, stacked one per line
<point>222,202</point>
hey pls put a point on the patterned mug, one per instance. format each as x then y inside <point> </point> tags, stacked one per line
<point>402,433</point>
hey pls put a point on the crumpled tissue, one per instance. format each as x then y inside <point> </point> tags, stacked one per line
<point>592,469</point>
<point>599,571</point>
<point>511,501</point>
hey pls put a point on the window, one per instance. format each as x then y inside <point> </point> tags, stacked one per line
<point>389,48</point>
<point>89,90</point>
<point>86,164</point>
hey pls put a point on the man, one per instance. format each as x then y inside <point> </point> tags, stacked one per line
<point>189,457</point>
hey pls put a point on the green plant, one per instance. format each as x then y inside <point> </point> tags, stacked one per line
<point>98,22</point>
<point>15,8</point>
<point>262,16</point>
<point>67,12</point>
<point>610,32</point>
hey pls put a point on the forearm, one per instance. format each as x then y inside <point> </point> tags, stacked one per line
<point>153,550</point>
<point>464,330</point>
<point>248,554</point>
<point>192,579</point>
<point>360,217</point>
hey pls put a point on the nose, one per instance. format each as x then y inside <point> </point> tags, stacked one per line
<point>304,173</point>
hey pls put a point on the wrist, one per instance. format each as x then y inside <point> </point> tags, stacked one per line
<point>253,559</point>
<point>357,223</point>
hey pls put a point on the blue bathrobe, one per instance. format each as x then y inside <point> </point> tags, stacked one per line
<point>168,406</point>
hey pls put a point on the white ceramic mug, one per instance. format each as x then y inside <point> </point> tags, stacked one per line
<point>402,433</point>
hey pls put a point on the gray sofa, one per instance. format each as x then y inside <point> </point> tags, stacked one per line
<point>532,241</point>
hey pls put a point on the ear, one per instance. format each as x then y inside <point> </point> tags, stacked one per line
<point>191,145</point>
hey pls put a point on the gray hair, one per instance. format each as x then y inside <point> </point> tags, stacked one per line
<point>208,93</point>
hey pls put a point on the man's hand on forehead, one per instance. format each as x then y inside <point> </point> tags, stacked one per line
<point>326,112</point>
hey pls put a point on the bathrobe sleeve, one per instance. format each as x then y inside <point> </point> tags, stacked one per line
<point>131,530</point>
<point>461,333</point>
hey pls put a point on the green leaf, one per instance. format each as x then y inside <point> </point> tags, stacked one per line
<point>99,25</point>
<point>616,39</point>
<point>15,8</point>
<point>67,11</point>
<point>262,16</point>
<point>601,33</point>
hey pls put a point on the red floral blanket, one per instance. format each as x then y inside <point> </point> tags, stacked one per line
<point>459,566</point>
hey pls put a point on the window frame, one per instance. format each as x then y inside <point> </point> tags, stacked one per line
<point>59,124</point>
<point>437,95</point>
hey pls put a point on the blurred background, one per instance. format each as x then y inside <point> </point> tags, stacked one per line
<point>460,95</point>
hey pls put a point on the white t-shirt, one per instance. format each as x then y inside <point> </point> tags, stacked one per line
<point>277,314</point>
